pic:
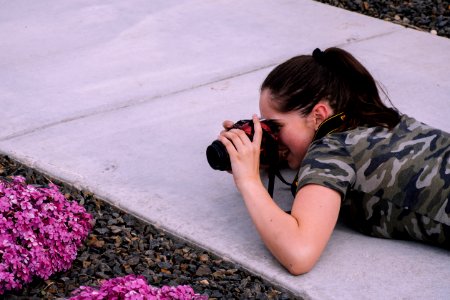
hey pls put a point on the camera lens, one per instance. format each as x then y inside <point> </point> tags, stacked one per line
<point>218,157</point>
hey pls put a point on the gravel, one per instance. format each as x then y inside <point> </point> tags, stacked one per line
<point>121,244</point>
<point>431,15</point>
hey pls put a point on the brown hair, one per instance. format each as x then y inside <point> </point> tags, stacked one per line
<point>335,75</point>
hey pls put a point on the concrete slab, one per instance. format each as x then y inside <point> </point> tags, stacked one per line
<point>142,147</point>
<point>62,61</point>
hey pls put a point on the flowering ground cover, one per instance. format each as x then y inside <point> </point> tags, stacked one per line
<point>124,251</point>
<point>40,232</point>
<point>136,288</point>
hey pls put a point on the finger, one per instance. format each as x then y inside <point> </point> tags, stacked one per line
<point>238,138</point>
<point>246,140</point>
<point>257,137</point>
<point>231,149</point>
<point>227,124</point>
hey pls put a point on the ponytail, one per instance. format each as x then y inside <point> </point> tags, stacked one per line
<point>334,75</point>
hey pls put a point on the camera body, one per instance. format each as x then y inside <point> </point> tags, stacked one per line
<point>219,159</point>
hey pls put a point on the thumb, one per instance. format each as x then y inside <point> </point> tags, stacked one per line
<point>227,124</point>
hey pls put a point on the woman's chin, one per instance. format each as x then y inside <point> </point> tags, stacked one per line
<point>293,164</point>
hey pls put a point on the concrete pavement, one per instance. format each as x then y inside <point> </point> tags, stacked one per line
<point>122,99</point>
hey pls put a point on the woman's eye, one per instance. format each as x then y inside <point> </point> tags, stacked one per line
<point>279,124</point>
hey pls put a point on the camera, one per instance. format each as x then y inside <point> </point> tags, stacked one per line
<point>219,159</point>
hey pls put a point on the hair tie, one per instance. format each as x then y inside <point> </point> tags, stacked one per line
<point>318,55</point>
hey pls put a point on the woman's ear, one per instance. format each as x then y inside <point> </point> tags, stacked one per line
<point>321,111</point>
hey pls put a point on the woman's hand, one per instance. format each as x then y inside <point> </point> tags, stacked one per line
<point>244,153</point>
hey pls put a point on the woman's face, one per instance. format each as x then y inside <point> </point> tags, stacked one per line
<point>296,131</point>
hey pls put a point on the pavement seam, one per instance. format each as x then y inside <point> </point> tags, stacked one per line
<point>132,103</point>
<point>351,41</point>
<point>122,105</point>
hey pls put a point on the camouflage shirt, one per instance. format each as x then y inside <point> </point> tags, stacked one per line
<point>394,183</point>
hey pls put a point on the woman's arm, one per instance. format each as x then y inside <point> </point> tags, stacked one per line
<point>297,239</point>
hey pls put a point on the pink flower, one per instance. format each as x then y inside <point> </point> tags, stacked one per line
<point>4,204</point>
<point>132,287</point>
<point>35,237</point>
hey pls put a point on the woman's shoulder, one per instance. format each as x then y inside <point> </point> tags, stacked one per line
<point>408,128</point>
<point>413,126</point>
<point>410,139</point>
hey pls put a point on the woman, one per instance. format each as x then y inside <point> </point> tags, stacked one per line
<point>386,173</point>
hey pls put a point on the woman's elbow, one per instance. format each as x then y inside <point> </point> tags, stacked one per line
<point>301,263</point>
<point>299,269</point>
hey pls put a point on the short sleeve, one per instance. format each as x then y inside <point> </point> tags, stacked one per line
<point>328,163</point>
